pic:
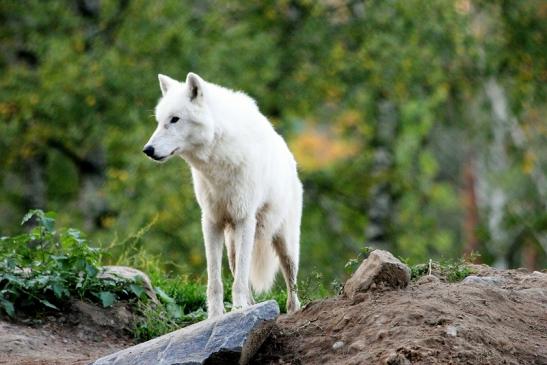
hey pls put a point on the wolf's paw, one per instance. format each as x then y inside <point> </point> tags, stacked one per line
<point>215,311</point>
<point>240,302</point>
<point>214,314</point>
<point>293,304</point>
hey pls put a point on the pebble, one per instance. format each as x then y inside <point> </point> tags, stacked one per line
<point>451,331</point>
<point>338,345</point>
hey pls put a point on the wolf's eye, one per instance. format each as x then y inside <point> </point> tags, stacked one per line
<point>174,120</point>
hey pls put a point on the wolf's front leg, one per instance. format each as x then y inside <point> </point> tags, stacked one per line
<point>213,236</point>
<point>244,234</point>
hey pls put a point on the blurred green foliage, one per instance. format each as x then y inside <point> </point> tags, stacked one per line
<point>386,106</point>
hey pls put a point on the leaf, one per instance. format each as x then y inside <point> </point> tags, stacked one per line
<point>30,214</point>
<point>107,298</point>
<point>59,290</point>
<point>164,297</point>
<point>51,214</point>
<point>174,310</point>
<point>8,307</point>
<point>138,290</point>
<point>75,234</point>
<point>48,304</point>
<point>91,270</point>
<point>48,223</point>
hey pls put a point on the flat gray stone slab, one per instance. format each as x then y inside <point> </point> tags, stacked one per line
<point>230,339</point>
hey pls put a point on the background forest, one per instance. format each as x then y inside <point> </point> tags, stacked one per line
<point>419,126</point>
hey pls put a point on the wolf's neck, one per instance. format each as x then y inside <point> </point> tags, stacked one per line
<point>219,156</point>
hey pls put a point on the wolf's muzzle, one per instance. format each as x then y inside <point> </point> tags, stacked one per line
<point>149,151</point>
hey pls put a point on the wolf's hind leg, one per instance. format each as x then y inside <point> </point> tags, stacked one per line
<point>230,248</point>
<point>289,267</point>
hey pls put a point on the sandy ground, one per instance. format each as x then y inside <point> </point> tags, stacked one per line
<point>80,336</point>
<point>429,322</point>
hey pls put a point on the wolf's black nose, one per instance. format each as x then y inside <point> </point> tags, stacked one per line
<point>149,151</point>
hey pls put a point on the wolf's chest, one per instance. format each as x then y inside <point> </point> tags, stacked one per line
<point>225,200</point>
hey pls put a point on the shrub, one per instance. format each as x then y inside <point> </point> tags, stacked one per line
<point>45,267</point>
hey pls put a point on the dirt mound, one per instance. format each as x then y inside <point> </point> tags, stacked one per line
<point>80,335</point>
<point>495,317</point>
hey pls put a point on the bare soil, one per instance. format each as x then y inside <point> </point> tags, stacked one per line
<point>429,322</point>
<point>80,335</point>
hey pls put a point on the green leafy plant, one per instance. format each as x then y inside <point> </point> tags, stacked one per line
<point>46,267</point>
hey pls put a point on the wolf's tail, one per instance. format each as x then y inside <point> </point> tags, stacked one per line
<point>264,266</point>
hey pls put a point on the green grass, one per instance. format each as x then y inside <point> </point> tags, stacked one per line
<point>449,270</point>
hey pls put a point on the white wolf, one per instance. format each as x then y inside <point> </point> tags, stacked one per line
<point>245,181</point>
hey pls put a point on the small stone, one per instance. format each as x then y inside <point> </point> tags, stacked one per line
<point>338,345</point>
<point>452,331</point>
<point>381,269</point>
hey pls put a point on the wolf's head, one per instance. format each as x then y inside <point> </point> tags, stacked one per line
<point>184,123</point>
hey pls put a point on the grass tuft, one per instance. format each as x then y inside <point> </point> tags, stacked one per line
<point>449,270</point>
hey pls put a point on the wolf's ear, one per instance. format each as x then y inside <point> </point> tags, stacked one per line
<point>166,83</point>
<point>195,86</point>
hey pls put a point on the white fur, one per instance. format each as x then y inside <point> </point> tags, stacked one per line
<point>245,181</point>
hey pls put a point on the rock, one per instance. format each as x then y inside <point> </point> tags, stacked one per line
<point>483,280</point>
<point>129,274</point>
<point>381,269</point>
<point>338,345</point>
<point>231,338</point>
<point>452,331</point>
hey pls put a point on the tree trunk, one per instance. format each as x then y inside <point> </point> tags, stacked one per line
<point>471,212</point>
